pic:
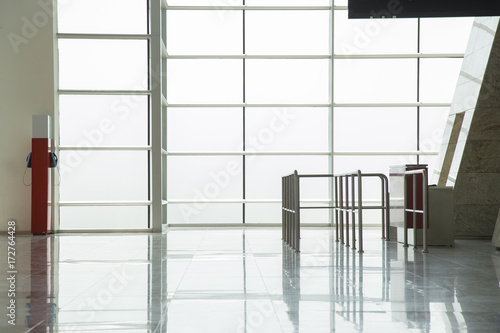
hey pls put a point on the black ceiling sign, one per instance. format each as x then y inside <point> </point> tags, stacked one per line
<point>422,8</point>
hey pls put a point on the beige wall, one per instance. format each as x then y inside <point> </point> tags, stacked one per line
<point>26,89</point>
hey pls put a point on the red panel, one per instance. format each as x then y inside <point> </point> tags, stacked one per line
<point>41,187</point>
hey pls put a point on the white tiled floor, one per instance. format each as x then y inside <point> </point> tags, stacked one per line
<point>244,280</point>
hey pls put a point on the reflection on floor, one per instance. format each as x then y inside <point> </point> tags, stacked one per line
<point>244,280</point>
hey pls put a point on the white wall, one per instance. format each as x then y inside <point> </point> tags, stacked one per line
<point>26,89</point>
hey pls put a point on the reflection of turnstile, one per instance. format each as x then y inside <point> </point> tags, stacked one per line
<point>441,227</point>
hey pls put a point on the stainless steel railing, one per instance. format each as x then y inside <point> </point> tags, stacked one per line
<point>414,210</point>
<point>348,200</point>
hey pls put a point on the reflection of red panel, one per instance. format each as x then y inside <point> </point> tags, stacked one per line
<point>41,194</point>
<point>420,206</point>
<point>41,305</point>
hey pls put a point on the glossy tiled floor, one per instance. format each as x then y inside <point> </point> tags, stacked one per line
<point>237,280</point>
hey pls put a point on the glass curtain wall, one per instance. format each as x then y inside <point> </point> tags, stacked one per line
<point>104,114</point>
<point>253,90</point>
<point>258,89</point>
<point>248,91</point>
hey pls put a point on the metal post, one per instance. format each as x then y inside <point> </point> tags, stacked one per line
<point>387,210</point>
<point>415,212</point>
<point>336,210</point>
<point>341,190</point>
<point>382,196</point>
<point>292,216</point>
<point>282,208</point>
<point>405,207</point>
<point>297,211</point>
<point>425,181</point>
<point>347,211</point>
<point>156,181</point>
<point>353,214</point>
<point>288,212</point>
<point>360,212</point>
<point>285,206</point>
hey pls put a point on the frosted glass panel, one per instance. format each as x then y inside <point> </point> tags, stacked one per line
<point>103,175</point>
<point>438,79</point>
<point>201,178</point>
<point>445,35</point>
<point>287,2</point>
<point>204,129</point>
<point>381,36</point>
<point>287,129</point>
<point>204,32</point>
<point>92,121</point>
<point>103,16</point>
<point>271,213</point>
<point>205,81</point>
<point>205,213</point>
<point>264,173</point>
<point>370,164</point>
<point>432,125</point>
<point>375,80</point>
<point>375,129</point>
<point>263,213</point>
<point>287,81</point>
<point>287,32</point>
<point>103,64</point>
<point>104,217</point>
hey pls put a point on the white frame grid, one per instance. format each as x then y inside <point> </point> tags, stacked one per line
<point>331,105</point>
<point>159,104</point>
<point>153,149</point>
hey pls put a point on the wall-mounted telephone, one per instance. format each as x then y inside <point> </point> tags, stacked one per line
<point>53,160</point>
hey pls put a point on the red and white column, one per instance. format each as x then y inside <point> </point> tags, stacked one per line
<point>41,176</point>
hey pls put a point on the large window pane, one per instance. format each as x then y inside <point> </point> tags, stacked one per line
<point>287,32</point>
<point>445,35</point>
<point>375,80</point>
<point>104,217</point>
<point>264,173</point>
<point>103,16</point>
<point>199,212</point>
<point>201,178</point>
<point>204,32</point>
<point>374,36</point>
<point>375,129</point>
<point>105,120</point>
<point>205,81</point>
<point>103,64</point>
<point>287,129</point>
<point>204,129</point>
<point>438,79</point>
<point>370,164</point>
<point>103,175</point>
<point>287,81</point>
<point>432,125</point>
